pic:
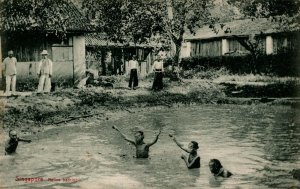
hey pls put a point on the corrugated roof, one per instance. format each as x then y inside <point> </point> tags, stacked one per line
<point>74,20</point>
<point>237,27</point>
<point>101,40</point>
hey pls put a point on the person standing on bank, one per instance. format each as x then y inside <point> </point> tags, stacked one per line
<point>45,73</point>
<point>10,67</point>
<point>133,65</point>
<point>158,68</point>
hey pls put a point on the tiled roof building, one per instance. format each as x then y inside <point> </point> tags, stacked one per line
<point>46,16</point>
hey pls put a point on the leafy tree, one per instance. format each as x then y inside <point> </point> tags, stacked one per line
<point>267,8</point>
<point>285,12</point>
<point>149,20</point>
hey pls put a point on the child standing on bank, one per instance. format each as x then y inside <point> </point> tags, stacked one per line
<point>142,148</point>
<point>193,160</point>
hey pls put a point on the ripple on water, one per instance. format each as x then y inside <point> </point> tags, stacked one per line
<point>258,144</point>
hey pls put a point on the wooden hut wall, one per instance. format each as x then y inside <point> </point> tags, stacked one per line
<point>285,42</point>
<point>149,60</point>
<point>93,59</point>
<point>262,43</point>
<point>207,48</point>
<point>27,49</point>
<point>235,45</point>
<point>118,63</point>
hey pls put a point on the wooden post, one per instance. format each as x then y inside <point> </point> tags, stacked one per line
<point>170,9</point>
<point>269,45</point>
<point>170,17</point>
<point>0,57</point>
<point>225,46</point>
<point>123,62</point>
<point>1,66</point>
<point>185,50</point>
<point>79,57</point>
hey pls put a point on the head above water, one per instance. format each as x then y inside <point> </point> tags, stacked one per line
<point>215,166</point>
<point>13,133</point>
<point>194,145</point>
<point>139,136</point>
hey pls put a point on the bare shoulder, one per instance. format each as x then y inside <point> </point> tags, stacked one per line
<point>227,173</point>
<point>6,141</point>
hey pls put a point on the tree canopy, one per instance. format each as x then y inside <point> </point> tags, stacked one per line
<point>286,12</point>
<point>141,21</point>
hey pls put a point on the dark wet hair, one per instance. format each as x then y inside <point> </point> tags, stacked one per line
<point>141,133</point>
<point>9,132</point>
<point>195,144</point>
<point>216,166</point>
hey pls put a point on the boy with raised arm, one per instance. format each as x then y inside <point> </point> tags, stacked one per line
<point>193,160</point>
<point>142,148</point>
<point>12,143</point>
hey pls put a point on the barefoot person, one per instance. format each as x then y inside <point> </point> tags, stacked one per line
<point>158,69</point>
<point>142,148</point>
<point>44,71</point>
<point>133,68</point>
<point>12,143</point>
<point>217,169</point>
<point>10,68</point>
<point>193,160</point>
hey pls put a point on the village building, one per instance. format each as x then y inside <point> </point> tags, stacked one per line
<point>67,52</point>
<point>271,37</point>
<point>111,58</point>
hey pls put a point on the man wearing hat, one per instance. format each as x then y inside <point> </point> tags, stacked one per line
<point>9,65</point>
<point>45,73</point>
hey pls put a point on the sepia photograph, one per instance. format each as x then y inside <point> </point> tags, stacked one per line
<point>150,94</point>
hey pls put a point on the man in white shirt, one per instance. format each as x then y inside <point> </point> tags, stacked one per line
<point>10,67</point>
<point>45,73</point>
<point>133,68</point>
<point>158,68</point>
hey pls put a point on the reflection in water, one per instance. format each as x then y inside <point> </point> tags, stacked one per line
<point>259,144</point>
<point>215,181</point>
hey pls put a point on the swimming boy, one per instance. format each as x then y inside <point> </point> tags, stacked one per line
<point>142,148</point>
<point>193,160</point>
<point>217,169</point>
<point>12,143</point>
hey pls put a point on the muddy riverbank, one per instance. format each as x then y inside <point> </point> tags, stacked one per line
<point>69,105</point>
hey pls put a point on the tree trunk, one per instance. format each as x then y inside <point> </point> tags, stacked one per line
<point>177,53</point>
<point>103,64</point>
<point>176,61</point>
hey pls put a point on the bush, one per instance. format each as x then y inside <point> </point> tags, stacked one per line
<point>204,74</point>
<point>31,83</point>
<point>90,97</point>
<point>281,64</point>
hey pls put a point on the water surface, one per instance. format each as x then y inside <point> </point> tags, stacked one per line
<point>259,144</point>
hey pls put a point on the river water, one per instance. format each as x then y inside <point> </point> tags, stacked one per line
<point>259,144</point>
